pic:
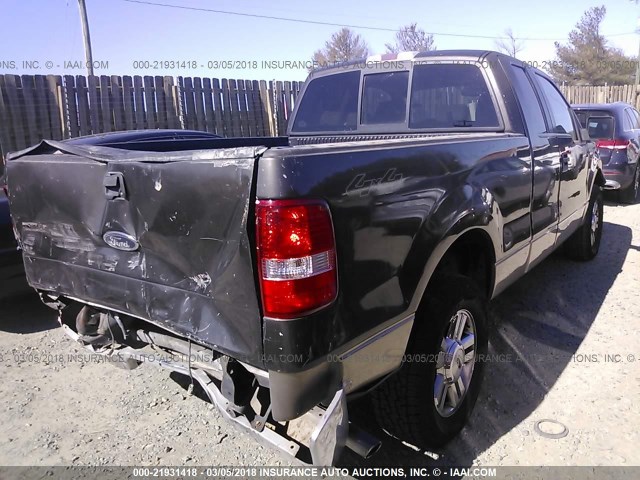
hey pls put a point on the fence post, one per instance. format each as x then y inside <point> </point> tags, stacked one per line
<point>274,100</point>
<point>265,104</point>
<point>177,98</point>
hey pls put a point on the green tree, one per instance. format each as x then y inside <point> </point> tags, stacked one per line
<point>587,59</point>
<point>410,38</point>
<point>509,45</point>
<point>343,46</point>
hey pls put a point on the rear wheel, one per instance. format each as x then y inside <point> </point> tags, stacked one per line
<point>584,244</point>
<point>630,194</point>
<point>428,401</point>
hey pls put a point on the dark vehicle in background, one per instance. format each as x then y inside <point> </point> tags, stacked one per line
<point>141,139</point>
<point>615,127</point>
<point>11,269</point>
<point>357,255</point>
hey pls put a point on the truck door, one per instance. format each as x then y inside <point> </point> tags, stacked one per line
<point>569,156</point>
<point>545,170</point>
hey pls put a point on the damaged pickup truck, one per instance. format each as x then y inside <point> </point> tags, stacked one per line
<point>356,255</point>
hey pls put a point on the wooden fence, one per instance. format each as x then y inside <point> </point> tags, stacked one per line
<point>36,107</point>
<point>601,94</point>
<point>33,107</point>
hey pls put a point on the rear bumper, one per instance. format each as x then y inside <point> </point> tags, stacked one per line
<point>350,367</point>
<point>313,396</point>
<point>618,177</point>
<point>318,436</point>
<point>326,429</point>
<point>299,388</point>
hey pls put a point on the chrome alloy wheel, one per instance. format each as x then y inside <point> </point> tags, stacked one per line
<point>595,221</point>
<point>455,363</point>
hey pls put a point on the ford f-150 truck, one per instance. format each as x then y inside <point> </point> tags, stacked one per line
<point>356,255</point>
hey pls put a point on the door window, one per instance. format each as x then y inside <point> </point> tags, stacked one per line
<point>528,102</point>
<point>560,111</point>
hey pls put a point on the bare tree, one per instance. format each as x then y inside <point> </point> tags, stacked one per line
<point>343,46</point>
<point>510,45</point>
<point>410,38</point>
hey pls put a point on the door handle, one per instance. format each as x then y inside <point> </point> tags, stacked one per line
<point>113,184</point>
<point>565,161</point>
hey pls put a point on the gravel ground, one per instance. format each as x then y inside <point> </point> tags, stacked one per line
<point>564,343</point>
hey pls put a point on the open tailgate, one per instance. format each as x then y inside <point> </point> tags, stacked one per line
<point>160,236</point>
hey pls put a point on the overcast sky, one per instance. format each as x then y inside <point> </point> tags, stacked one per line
<point>126,35</point>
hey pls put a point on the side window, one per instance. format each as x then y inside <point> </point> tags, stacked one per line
<point>633,119</point>
<point>636,116</point>
<point>384,98</point>
<point>631,122</point>
<point>558,106</point>
<point>528,101</point>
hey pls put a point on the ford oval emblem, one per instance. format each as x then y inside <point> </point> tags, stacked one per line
<point>121,241</point>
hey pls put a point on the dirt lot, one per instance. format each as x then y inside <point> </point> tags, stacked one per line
<point>565,343</point>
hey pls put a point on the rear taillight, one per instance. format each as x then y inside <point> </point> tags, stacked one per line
<point>617,144</point>
<point>296,256</point>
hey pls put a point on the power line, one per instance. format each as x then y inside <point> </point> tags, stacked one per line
<point>331,24</point>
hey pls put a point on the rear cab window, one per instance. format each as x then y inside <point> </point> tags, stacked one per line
<point>384,97</point>
<point>428,95</point>
<point>445,96</point>
<point>330,104</point>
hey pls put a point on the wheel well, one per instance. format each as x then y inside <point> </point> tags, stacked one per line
<point>471,255</point>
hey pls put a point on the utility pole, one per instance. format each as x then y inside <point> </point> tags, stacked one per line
<point>87,38</point>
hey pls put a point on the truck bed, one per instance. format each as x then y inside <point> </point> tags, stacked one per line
<point>191,272</point>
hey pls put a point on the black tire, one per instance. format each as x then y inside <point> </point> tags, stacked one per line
<point>630,194</point>
<point>582,245</point>
<point>405,404</point>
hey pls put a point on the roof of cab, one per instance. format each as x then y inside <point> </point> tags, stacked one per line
<point>408,56</point>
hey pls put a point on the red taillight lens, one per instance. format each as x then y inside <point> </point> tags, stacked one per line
<point>296,256</point>
<point>616,144</point>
